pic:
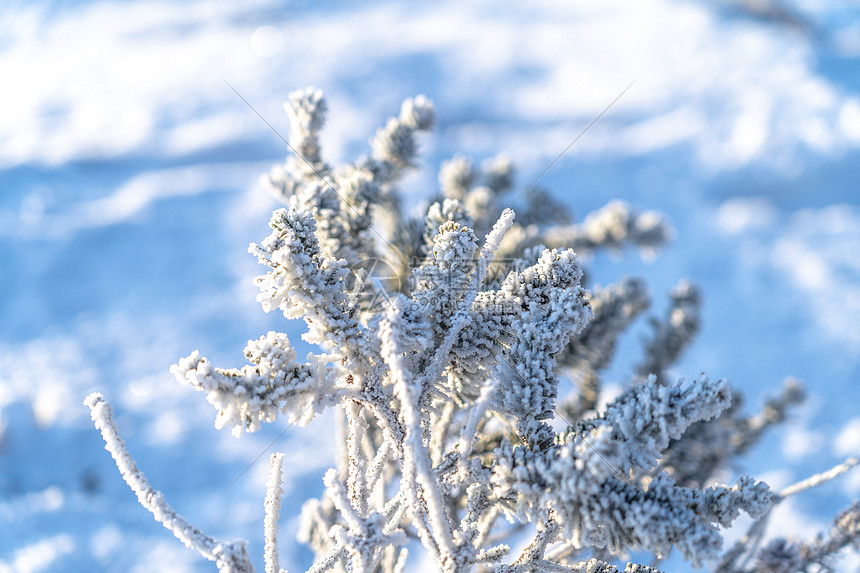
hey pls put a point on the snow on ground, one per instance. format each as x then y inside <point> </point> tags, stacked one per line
<point>128,172</point>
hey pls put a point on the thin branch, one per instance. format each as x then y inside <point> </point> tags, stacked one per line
<point>273,512</point>
<point>819,479</point>
<point>229,557</point>
<point>467,436</point>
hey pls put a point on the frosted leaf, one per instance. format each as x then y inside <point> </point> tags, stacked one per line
<point>544,210</point>
<point>648,416</point>
<point>613,226</point>
<point>303,284</point>
<point>441,283</point>
<point>440,213</point>
<point>418,113</point>
<point>553,308</point>
<point>778,556</point>
<point>482,205</point>
<point>673,334</point>
<point>456,177</point>
<point>599,507</point>
<point>710,445</point>
<point>498,174</point>
<point>394,146</point>
<point>614,309</point>
<point>306,110</point>
<point>245,398</point>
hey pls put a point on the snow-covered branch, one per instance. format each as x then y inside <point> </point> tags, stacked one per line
<point>229,557</point>
<point>444,342</point>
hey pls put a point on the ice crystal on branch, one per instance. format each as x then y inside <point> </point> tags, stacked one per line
<point>245,398</point>
<point>444,337</point>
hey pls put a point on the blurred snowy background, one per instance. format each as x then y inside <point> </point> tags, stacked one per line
<point>128,195</point>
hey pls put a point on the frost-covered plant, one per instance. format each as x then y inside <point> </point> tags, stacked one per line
<point>442,342</point>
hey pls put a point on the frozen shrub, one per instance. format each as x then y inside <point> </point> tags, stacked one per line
<point>446,370</point>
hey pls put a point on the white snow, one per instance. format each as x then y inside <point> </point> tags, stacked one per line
<point>42,555</point>
<point>847,442</point>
